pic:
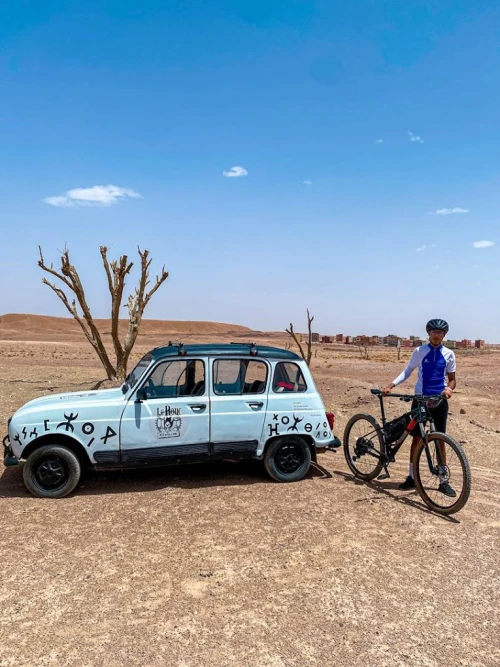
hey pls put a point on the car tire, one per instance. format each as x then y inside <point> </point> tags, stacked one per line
<point>51,471</point>
<point>287,459</point>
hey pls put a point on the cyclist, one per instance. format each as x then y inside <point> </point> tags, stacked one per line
<point>436,375</point>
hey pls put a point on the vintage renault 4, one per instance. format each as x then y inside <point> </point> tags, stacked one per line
<point>180,404</point>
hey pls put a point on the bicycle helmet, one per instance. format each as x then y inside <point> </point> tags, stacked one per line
<point>438,324</point>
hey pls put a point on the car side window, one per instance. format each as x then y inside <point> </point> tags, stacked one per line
<point>173,378</point>
<point>239,376</point>
<point>255,377</point>
<point>288,377</point>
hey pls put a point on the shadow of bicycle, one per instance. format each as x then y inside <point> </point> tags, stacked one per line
<point>384,488</point>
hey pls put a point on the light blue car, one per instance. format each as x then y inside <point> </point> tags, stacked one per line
<point>180,404</point>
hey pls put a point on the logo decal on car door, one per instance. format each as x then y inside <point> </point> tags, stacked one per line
<point>168,422</point>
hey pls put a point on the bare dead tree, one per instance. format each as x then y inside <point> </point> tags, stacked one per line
<point>363,351</point>
<point>291,332</point>
<point>116,272</point>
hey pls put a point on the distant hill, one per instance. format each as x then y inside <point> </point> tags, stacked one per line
<point>15,326</point>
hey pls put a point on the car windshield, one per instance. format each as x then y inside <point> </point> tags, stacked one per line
<point>137,373</point>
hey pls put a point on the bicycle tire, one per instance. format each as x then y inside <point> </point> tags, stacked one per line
<point>465,474</point>
<point>377,431</point>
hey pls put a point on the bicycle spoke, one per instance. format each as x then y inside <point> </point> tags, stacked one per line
<point>362,447</point>
<point>445,481</point>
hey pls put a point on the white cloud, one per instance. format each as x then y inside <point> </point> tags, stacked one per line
<point>307,183</point>
<point>422,247</point>
<point>235,172</point>
<point>414,138</point>
<point>98,195</point>
<point>58,201</point>
<point>483,244</point>
<point>449,211</point>
<point>379,141</point>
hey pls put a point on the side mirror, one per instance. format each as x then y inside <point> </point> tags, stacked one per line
<point>141,395</point>
<point>125,388</point>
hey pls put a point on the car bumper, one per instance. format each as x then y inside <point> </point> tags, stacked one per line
<point>331,445</point>
<point>9,459</point>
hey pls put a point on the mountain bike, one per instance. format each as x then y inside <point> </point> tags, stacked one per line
<point>370,447</point>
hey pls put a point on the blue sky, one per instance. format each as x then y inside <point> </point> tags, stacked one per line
<point>353,125</point>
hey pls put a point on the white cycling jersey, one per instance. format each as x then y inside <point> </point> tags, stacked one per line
<point>433,364</point>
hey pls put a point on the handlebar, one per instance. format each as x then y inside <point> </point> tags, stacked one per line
<point>408,397</point>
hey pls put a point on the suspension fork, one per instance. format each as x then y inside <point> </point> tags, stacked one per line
<point>439,454</point>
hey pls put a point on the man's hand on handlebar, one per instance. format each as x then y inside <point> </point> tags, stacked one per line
<point>387,390</point>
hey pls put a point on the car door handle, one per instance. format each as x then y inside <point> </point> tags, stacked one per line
<point>256,404</point>
<point>198,407</point>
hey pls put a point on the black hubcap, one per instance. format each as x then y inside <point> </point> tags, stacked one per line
<point>289,458</point>
<point>51,472</point>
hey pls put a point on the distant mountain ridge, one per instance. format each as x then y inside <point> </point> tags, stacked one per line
<point>16,324</point>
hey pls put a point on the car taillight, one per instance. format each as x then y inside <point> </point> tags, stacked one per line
<point>331,419</point>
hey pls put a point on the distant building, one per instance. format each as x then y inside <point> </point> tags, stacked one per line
<point>465,343</point>
<point>340,338</point>
<point>315,337</point>
<point>391,340</point>
<point>406,342</point>
<point>326,339</point>
<point>363,340</point>
<point>479,344</point>
<point>348,340</point>
<point>452,344</point>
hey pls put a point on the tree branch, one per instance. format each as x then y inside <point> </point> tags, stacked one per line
<point>69,276</point>
<point>297,341</point>
<point>52,271</point>
<point>309,343</point>
<point>291,332</point>
<point>72,309</point>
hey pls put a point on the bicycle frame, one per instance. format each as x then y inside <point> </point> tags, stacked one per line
<point>419,415</point>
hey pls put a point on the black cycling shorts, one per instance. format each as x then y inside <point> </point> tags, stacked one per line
<point>439,416</point>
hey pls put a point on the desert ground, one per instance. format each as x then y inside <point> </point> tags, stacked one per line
<point>218,565</point>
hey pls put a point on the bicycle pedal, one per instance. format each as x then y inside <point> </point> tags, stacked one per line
<point>384,475</point>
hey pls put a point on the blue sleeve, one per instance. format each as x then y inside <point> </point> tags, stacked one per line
<point>412,364</point>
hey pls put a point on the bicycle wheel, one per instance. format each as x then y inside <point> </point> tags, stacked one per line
<point>363,446</point>
<point>441,468</point>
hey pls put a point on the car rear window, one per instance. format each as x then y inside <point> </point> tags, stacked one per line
<point>288,377</point>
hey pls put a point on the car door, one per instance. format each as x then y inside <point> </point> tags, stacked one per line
<point>238,403</point>
<point>167,418</point>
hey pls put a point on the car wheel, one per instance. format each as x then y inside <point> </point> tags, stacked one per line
<point>287,459</point>
<point>51,471</point>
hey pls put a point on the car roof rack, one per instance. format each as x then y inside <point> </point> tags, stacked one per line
<point>252,348</point>
<point>179,346</point>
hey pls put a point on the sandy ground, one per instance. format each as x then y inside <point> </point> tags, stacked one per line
<point>218,565</point>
